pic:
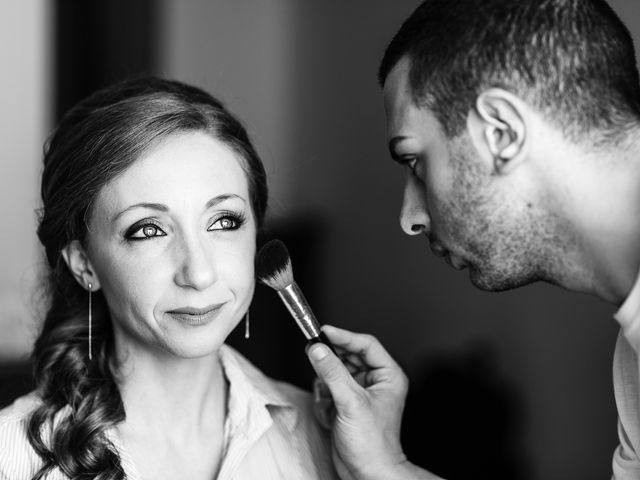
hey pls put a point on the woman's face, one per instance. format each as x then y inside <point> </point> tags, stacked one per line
<point>172,243</point>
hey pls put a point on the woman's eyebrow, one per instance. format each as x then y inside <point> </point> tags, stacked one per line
<point>153,206</point>
<point>163,208</point>
<point>221,198</point>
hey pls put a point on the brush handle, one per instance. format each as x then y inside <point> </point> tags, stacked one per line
<point>322,338</point>
<point>299,308</point>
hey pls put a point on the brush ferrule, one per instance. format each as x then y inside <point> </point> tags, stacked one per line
<point>300,310</point>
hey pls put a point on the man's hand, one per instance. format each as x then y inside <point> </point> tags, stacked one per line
<point>368,392</point>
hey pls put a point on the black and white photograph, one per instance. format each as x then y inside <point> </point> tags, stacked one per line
<point>320,240</point>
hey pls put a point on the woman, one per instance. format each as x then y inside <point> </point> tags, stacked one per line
<point>152,195</point>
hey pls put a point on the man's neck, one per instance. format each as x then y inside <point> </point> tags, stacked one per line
<point>607,205</point>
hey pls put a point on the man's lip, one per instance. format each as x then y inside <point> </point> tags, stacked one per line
<point>456,263</point>
<point>438,250</point>
<point>441,251</point>
<point>196,311</point>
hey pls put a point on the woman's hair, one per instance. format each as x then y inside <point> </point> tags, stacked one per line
<point>96,141</point>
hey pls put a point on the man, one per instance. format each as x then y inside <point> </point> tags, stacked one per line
<point>518,122</point>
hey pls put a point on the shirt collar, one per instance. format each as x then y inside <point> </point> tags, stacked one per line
<point>253,401</point>
<point>246,379</point>
<point>255,405</point>
<point>628,316</point>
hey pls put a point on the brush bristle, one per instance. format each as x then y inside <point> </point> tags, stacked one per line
<point>273,265</point>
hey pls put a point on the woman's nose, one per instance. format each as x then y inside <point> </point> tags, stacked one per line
<point>414,218</point>
<point>196,268</point>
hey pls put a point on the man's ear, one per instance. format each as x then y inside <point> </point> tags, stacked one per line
<point>80,266</point>
<point>501,127</point>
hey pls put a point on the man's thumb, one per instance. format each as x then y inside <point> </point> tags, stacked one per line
<point>333,373</point>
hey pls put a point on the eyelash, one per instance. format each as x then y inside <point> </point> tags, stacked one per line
<point>237,220</point>
<point>411,164</point>
<point>139,227</point>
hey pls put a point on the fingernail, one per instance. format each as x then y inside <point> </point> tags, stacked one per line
<point>318,351</point>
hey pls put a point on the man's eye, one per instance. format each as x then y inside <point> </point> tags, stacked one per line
<point>411,163</point>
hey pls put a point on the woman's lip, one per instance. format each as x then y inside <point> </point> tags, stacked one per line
<point>196,316</point>
<point>193,311</point>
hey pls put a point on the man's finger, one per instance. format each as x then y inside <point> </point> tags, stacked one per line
<point>366,346</point>
<point>344,389</point>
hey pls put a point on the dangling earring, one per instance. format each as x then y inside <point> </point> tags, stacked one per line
<point>247,334</point>
<point>90,322</point>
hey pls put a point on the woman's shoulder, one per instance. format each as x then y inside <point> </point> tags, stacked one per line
<point>17,457</point>
<point>21,406</point>
<point>18,412</point>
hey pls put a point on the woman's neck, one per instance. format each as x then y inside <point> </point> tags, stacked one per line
<point>169,396</point>
<point>175,411</point>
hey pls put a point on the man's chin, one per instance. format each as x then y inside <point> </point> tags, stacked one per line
<point>497,281</point>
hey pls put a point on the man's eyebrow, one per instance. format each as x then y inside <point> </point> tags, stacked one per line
<point>163,208</point>
<point>392,149</point>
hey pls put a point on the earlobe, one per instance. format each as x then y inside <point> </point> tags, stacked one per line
<point>503,119</point>
<point>79,265</point>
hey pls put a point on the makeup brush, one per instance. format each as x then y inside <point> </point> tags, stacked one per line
<point>273,268</point>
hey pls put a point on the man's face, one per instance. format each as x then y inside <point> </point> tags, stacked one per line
<point>472,216</point>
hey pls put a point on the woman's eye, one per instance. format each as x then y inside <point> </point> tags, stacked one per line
<point>227,222</point>
<point>150,231</point>
<point>144,232</point>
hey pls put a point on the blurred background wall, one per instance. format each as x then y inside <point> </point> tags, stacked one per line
<point>514,385</point>
<point>25,96</point>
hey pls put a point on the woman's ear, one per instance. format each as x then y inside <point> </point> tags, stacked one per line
<point>80,266</point>
<point>501,120</point>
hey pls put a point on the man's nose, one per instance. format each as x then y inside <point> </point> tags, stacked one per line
<point>196,266</point>
<point>414,218</point>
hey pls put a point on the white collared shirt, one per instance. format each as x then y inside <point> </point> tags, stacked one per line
<point>270,432</point>
<point>626,383</point>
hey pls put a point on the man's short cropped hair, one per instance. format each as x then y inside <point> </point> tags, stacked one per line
<point>572,60</point>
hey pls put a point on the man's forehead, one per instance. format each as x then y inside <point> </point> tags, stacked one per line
<point>400,108</point>
<point>398,96</point>
<point>396,85</point>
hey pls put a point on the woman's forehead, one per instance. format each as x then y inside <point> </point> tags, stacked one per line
<point>189,167</point>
